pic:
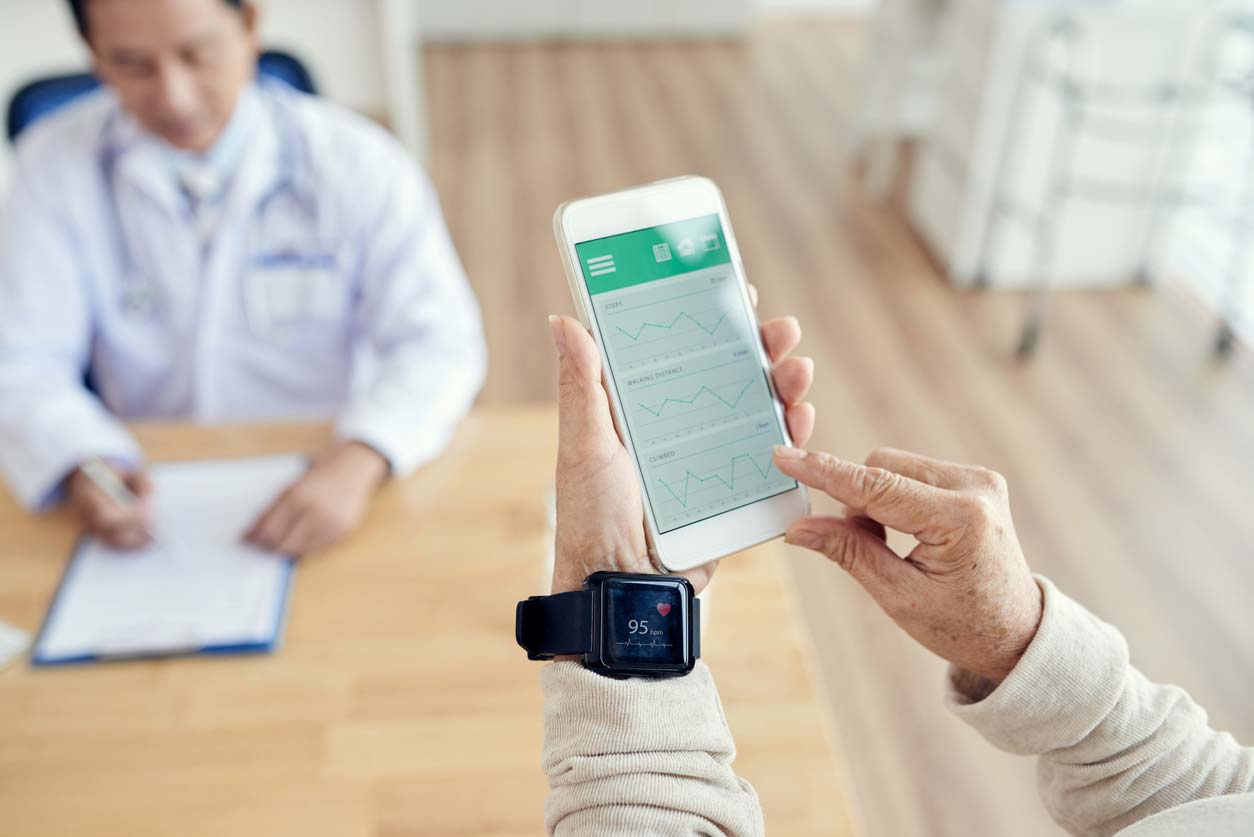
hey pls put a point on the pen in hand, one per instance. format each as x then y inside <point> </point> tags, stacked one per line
<point>117,517</point>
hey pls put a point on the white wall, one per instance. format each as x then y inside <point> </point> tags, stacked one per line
<point>37,38</point>
<point>817,6</point>
<point>480,20</point>
<point>477,20</point>
<point>338,40</point>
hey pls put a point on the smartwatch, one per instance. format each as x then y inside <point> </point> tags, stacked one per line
<point>622,624</point>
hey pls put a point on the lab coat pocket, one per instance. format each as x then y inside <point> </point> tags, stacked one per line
<point>297,297</point>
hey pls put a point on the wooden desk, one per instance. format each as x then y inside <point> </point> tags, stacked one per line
<point>399,704</point>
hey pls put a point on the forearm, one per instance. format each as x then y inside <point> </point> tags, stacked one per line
<point>1153,752</point>
<point>1114,748</point>
<point>418,319</point>
<point>418,396</point>
<point>49,424</point>
<point>640,756</point>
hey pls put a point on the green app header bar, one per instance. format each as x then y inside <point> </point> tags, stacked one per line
<point>620,261</point>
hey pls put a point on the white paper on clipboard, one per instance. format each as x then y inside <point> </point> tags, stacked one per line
<point>197,587</point>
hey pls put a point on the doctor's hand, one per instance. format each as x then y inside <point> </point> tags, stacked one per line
<point>121,527</point>
<point>965,592</point>
<point>600,518</point>
<point>324,505</point>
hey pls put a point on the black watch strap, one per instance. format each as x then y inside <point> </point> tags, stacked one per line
<point>549,626</point>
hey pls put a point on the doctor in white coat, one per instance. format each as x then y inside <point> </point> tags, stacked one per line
<point>190,243</point>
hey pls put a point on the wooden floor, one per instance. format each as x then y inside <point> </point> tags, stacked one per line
<point>1129,454</point>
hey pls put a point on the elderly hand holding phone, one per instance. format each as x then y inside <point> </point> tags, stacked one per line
<point>1030,669</point>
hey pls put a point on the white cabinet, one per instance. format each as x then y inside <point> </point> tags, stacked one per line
<point>1056,140</point>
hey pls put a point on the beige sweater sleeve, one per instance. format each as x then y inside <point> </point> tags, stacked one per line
<point>1114,748</point>
<point>640,757</point>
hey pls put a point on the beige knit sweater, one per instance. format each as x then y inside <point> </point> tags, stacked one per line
<point>639,757</point>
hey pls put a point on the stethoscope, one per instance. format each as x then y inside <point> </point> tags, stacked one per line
<point>140,295</point>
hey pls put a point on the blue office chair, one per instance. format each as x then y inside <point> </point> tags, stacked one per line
<point>42,96</point>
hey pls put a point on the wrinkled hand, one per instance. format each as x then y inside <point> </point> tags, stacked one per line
<point>965,592</point>
<point>600,518</point>
<point>324,505</point>
<point>118,526</point>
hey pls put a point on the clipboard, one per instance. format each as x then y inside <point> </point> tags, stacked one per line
<point>199,592</point>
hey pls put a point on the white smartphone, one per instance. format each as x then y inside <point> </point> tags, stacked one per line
<point>657,278</point>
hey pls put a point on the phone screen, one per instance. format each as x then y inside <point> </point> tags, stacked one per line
<point>682,347</point>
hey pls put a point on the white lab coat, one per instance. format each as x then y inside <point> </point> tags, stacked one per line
<point>330,288</point>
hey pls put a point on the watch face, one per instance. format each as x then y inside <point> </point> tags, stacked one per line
<point>645,624</point>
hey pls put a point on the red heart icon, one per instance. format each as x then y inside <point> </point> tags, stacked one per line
<point>663,608</point>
